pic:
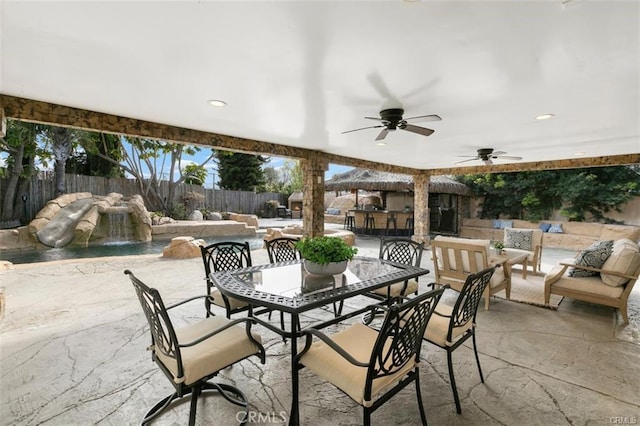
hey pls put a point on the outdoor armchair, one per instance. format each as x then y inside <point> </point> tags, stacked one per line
<point>192,355</point>
<point>282,249</point>
<point>407,252</point>
<point>371,365</point>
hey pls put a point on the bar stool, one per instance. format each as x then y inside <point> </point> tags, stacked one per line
<point>369,223</point>
<point>349,221</point>
<point>391,219</point>
<point>408,225</point>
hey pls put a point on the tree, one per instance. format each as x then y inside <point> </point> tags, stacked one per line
<point>242,172</point>
<point>150,162</point>
<point>285,180</point>
<point>84,162</point>
<point>195,174</point>
<point>535,195</point>
<point>21,145</point>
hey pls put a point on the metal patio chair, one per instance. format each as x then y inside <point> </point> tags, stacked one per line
<point>192,355</point>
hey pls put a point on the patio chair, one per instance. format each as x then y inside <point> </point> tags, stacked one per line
<point>407,252</point>
<point>192,355</point>
<point>284,212</point>
<point>451,326</point>
<point>371,365</point>
<point>282,249</point>
<point>224,256</point>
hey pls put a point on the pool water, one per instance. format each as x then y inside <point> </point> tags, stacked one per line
<point>111,249</point>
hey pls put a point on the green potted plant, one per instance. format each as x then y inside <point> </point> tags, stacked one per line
<point>325,255</point>
<point>498,246</point>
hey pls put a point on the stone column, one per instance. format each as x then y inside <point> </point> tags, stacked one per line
<point>421,208</point>
<point>313,169</point>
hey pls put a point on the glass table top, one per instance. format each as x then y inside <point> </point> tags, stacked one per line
<point>288,285</point>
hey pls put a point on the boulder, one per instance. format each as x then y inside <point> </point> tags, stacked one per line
<point>183,248</point>
<point>214,216</point>
<point>196,216</point>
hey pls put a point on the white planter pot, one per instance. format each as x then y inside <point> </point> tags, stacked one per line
<point>332,268</point>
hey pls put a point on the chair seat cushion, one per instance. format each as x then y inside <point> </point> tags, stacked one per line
<point>438,326</point>
<point>396,289</point>
<point>212,354</point>
<point>592,285</point>
<point>233,303</point>
<point>358,340</point>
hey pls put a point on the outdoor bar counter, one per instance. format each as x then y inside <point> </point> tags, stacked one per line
<point>376,224</point>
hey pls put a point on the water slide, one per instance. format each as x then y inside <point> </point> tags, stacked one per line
<point>60,230</point>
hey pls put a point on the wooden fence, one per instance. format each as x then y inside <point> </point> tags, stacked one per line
<point>42,189</point>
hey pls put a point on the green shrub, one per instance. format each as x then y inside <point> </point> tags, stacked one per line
<point>323,250</point>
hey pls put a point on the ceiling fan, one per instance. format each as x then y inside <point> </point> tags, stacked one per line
<point>391,119</point>
<point>488,154</point>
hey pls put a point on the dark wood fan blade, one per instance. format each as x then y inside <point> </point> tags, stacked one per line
<point>425,118</point>
<point>363,128</point>
<point>383,134</point>
<point>417,129</point>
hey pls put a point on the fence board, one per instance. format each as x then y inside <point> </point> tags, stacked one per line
<point>42,189</point>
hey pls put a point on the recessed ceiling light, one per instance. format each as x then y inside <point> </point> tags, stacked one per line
<point>578,154</point>
<point>381,143</point>
<point>544,116</point>
<point>217,103</point>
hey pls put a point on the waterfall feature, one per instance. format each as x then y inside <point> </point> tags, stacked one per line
<point>118,227</point>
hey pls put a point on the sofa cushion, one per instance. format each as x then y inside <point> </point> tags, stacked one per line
<point>594,256</point>
<point>518,238</point>
<point>625,258</point>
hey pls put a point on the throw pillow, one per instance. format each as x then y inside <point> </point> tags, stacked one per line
<point>556,228</point>
<point>545,227</point>
<point>502,224</point>
<point>518,238</point>
<point>594,256</point>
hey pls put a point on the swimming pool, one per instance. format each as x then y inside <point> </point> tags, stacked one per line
<point>112,249</point>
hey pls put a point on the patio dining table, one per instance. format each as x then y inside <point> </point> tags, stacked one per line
<point>287,287</point>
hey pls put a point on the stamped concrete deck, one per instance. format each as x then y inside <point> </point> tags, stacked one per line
<point>73,339</point>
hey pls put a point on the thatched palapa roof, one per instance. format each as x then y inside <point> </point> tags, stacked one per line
<point>372,180</point>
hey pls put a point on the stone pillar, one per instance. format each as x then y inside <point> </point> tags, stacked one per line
<point>421,208</point>
<point>313,170</point>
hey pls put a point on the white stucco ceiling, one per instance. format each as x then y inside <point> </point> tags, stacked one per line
<point>300,73</point>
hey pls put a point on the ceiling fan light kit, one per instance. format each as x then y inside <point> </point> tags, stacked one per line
<point>391,119</point>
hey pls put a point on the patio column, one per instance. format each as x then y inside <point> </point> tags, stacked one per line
<point>420,207</point>
<point>313,170</point>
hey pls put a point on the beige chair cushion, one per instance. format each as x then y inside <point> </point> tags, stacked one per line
<point>396,289</point>
<point>233,303</point>
<point>212,354</point>
<point>591,285</point>
<point>438,326</point>
<point>625,258</point>
<point>358,341</point>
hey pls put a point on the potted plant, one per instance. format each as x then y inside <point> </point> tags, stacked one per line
<point>498,246</point>
<point>325,255</point>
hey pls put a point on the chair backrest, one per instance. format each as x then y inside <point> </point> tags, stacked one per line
<point>224,256</point>
<point>163,336</point>
<point>401,250</point>
<point>466,306</point>
<point>282,249</point>
<point>400,337</point>
<point>455,258</point>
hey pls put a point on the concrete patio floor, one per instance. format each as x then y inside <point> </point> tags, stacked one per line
<point>73,340</point>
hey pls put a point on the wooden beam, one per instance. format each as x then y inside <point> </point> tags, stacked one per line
<point>573,163</point>
<point>60,115</point>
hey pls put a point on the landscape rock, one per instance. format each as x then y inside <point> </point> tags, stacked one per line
<point>183,248</point>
